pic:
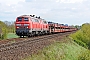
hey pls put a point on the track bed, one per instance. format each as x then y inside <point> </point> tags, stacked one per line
<point>22,47</point>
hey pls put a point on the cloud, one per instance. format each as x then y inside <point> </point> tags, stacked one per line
<point>29,0</point>
<point>63,11</point>
<point>9,2</point>
<point>70,1</point>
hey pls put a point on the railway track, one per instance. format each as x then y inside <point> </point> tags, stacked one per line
<point>23,47</point>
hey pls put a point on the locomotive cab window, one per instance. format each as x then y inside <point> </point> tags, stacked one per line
<point>26,19</point>
<point>19,19</point>
<point>45,22</point>
<point>35,20</point>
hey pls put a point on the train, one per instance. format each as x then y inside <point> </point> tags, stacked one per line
<point>31,25</point>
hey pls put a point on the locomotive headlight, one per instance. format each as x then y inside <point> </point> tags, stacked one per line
<point>17,27</point>
<point>18,24</point>
<point>26,27</point>
<point>26,24</point>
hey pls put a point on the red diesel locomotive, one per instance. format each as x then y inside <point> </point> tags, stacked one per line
<point>29,25</point>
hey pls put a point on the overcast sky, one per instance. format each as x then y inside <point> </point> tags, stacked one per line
<point>72,12</point>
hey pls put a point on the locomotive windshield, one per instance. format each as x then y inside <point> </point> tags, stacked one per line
<point>19,19</point>
<point>25,19</point>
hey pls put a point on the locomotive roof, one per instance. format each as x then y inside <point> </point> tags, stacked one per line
<point>24,16</point>
<point>32,16</point>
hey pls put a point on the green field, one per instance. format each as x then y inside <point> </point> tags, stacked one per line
<point>67,50</point>
<point>11,35</point>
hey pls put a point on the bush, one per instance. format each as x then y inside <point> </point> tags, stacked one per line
<point>4,36</point>
<point>82,37</point>
<point>81,43</point>
<point>3,30</point>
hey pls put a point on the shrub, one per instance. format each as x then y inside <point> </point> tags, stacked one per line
<point>82,37</point>
<point>4,36</point>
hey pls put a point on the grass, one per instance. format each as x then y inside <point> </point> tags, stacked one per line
<point>66,50</point>
<point>11,35</point>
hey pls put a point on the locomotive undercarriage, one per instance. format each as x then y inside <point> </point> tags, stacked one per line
<point>27,32</point>
<point>22,32</point>
<point>37,33</point>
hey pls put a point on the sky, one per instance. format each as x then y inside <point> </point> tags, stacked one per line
<point>71,12</point>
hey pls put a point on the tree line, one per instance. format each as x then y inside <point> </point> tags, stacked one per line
<point>5,28</point>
